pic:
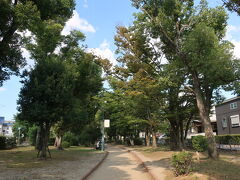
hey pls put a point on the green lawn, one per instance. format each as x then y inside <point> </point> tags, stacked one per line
<point>226,168</point>
<point>25,157</point>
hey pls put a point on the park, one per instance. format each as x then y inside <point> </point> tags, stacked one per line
<point>133,89</point>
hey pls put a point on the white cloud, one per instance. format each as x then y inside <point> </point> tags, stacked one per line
<point>27,56</point>
<point>85,4</point>
<point>231,30</point>
<point>236,48</point>
<point>104,51</point>
<point>77,23</point>
<point>2,89</point>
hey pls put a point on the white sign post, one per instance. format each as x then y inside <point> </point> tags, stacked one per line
<point>106,123</point>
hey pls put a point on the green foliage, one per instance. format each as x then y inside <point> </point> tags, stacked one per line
<point>10,142</point>
<point>7,142</point>
<point>233,139</point>
<point>65,144</point>
<point>51,141</point>
<point>44,19</point>
<point>2,142</point>
<point>199,143</point>
<point>138,141</point>
<point>89,135</point>
<point>71,138</point>
<point>182,163</point>
<point>232,5</point>
<point>32,134</point>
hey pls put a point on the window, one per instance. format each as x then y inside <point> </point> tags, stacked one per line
<point>235,120</point>
<point>233,105</point>
<point>224,122</point>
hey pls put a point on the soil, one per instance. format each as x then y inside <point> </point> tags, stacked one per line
<point>64,170</point>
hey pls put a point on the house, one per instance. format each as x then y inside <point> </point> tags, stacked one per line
<point>228,116</point>
<point>6,127</point>
<point>197,128</point>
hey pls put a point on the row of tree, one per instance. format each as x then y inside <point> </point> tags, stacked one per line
<point>173,62</point>
<point>57,93</point>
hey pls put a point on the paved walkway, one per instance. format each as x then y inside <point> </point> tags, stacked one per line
<point>120,165</point>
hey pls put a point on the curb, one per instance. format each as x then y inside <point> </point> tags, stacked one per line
<point>95,167</point>
<point>153,177</point>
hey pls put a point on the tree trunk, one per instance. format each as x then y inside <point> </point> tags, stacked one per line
<point>147,138</point>
<point>181,134</point>
<point>175,143</point>
<point>58,142</point>
<point>43,141</point>
<point>154,140</point>
<point>204,115</point>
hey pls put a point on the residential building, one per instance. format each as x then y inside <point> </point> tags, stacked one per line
<point>197,128</point>
<point>6,127</point>
<point>228,116</point>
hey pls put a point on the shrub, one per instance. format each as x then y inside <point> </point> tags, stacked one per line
<point>51,141</point>
<point>71,138</point>
<point>32,134</point>
<point>233,139</point>
<point>119,141</point>
<point>199,143</point>
<point>138,141</point>
<point>2,142</point>
<point>11,142</point>
<point>182,163</point>
<point>65,144</point>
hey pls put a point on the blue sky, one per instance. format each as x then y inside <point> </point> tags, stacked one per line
<point>98,20</point>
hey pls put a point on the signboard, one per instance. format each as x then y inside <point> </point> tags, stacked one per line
<point>106,123</point>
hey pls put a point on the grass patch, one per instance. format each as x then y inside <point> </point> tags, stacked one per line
<point>226,168</point>
<point>152,149</point>
<point>25,157</point>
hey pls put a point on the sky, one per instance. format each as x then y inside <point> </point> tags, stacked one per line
<point>98,19</point>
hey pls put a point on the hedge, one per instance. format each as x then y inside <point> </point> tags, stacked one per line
<point>2,142</point>
<point>199,143</point>
<point>7,142</point>
<point>233,139</point>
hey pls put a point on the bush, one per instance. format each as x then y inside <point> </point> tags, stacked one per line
<point>233,139</point>
<point>51,141</point>
<point>7,142</point>
<point>138,141</point>
<point>71,138</point>
<point>199,143</point>
<point>182,163</point>
<point>11,142</point>
<point>2,142</point>
<point>65,144</point>
<point>119,141</point>
<point>32,134</point>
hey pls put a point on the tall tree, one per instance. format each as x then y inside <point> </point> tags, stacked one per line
<point>46,97</point>
<point>232,5</point>
<point>192,36</point>
<point>158,84</point>
<point>21,15</point>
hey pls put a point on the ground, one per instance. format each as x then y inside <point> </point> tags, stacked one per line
<point>120,165</point>
<point>226,168</point>
<point>72,163</point>
<point>75,162</point>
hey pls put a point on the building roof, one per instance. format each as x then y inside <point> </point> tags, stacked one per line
<point>228,100</point>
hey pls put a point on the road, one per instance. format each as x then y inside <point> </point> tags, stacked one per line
<point>120,165</point>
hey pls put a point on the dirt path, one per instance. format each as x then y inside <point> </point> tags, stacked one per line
<point>120,165</point>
